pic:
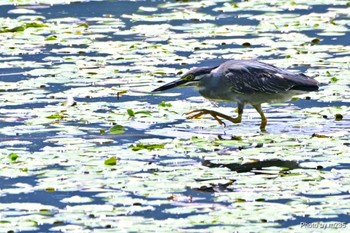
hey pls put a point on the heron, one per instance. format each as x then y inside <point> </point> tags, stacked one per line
<point>245,82</point>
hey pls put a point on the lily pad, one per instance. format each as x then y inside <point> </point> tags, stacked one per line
<point>117,129</point>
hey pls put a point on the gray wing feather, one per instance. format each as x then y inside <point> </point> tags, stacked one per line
<point>252,77</point>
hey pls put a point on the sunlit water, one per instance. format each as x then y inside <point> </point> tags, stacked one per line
<point>207,197</point>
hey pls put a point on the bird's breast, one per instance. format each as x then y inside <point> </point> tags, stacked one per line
<point>216,88</point>
<point>219,95</point>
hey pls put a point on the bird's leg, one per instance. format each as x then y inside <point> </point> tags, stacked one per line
<point>216,115</point>
<point>263,118</point>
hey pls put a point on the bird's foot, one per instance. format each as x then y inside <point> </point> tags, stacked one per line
<point>200,112</point>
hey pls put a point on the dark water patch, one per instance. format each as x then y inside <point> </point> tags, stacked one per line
<point>257,165</point>
<point>12,75</point>
<point>342,166</point>
<point>324,195</point>
<point>37,104</point>
<point>52,198</point>
<point>37,140</point>
<point>8,182</point>
<point>315,103</point>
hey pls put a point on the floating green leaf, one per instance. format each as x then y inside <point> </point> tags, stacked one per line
<point>131,113</point>
<point>52,37</point>
<point>23,27</point>
<point>55,116</point>
<point>334,79</point>
<point>50,189</point>
<point>141,146</point>
<point>164,104</point>
<point>13,157</point>
<point>111,161</point>
<point>85,25</point>
<point>143,113</point>
<point>117,129</point>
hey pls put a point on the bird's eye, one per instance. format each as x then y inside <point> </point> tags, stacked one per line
<point>189,77</point>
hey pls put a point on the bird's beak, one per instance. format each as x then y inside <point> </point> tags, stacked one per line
<point>173,84</point>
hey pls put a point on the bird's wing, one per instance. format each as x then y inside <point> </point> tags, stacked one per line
<point>261,77</point>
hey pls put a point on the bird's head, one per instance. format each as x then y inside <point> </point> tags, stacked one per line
<point>191,78</point>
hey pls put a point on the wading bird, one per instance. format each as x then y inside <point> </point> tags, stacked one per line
<point>245,82</point>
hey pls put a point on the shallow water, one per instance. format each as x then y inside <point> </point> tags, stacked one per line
<point>85,66</point>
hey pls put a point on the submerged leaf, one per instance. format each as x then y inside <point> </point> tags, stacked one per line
<point>338,117</point>
<point>316,41</point>
<point>316,135</point>
<point>246,44</point>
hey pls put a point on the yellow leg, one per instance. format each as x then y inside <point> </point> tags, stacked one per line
<point>216,115</point>
<point>263,118</point>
